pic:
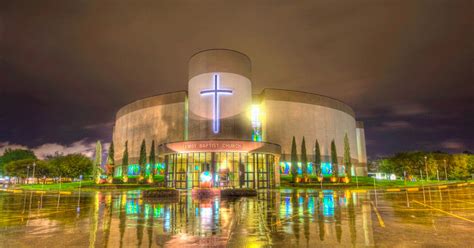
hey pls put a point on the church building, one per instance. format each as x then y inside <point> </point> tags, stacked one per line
<point>218,133</point>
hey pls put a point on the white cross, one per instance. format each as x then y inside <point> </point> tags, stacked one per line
<point>216,92</point>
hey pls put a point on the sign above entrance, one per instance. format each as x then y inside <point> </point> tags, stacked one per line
<point>214,146</point>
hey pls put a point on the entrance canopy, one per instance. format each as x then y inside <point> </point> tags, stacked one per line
<point>219,146</point>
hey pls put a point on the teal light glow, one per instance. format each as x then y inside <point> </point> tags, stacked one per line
<point>133,170</point>
<point>132,207</point>
<point>328,203</point>
<point>311,205</point>
<point>148,210</point>
<point>206,176</point>
<point>285,168</point>
<point>160,168</point>
<point>158,211</point>
<point>326,168</point>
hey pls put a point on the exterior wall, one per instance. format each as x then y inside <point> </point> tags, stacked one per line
<point>291,113</point>
<point>361,169</point>
<point>232,69</point>
<point>160,118</point>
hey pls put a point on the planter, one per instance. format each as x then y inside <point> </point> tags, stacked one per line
<point>160,192</point>
<point>238,192</point>
<point>205,192</point>
<point>131,180</point>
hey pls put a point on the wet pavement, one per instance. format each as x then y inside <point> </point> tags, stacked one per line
<point>278,218</point>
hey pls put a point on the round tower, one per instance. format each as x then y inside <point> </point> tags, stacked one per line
<point>220,95</point>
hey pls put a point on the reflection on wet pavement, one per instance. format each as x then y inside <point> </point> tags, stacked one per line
<point>279,218</point>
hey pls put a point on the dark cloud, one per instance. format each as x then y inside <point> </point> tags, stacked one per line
<point>66,67</point>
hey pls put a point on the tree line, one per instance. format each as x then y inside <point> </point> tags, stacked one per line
<point>433,165</point>
<point>22,164</point>
<point>303,159</point>
<point>143,160</point>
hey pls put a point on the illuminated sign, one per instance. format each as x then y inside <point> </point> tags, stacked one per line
<point>214,146</point>
<point>215,92</point>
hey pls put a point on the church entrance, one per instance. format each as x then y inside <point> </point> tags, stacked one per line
<point>219,170</point>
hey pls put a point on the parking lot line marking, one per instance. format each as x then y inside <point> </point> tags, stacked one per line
<point>393,190</point>
<point>427,209</point>
<point>445,212</point>
<point>412,189</point>
<point>472,203</point>
<point>382,224</point>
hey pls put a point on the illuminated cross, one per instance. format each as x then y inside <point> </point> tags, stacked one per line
<point>215,92</point>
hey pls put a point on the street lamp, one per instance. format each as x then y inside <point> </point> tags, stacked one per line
<point>426,169</point>
<point>445,171</point>
<point>34,166</point>
<point>27,173</point>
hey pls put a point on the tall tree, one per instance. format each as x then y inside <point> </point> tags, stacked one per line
<point>71,165</point>
<point>14,154</point>
<point>304,159</point>
<point>334,167</point>
<point>96,170</point>
<point>125,163</point>
<point>142,160</point>
<point>152,160</point>
<point>317,159</point>
<point>294,160</point>
<point>19,168</point>
<point>347,157</point>
<point>110,160</point>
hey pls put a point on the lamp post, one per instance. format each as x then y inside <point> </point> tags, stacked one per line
<point>34,166</point>
<point>27,173</point>
<point>426,169</point>
<point>445,171</point>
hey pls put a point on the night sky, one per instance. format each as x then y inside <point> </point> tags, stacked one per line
<point>405,67</point>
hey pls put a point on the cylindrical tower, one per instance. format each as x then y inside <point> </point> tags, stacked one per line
<point>220,95</point>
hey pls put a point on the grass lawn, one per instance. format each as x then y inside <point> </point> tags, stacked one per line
<point>56,186</point>
<point>84,184</point>
<point>364,182</point>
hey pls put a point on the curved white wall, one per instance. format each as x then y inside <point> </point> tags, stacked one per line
<point>285,119</point>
